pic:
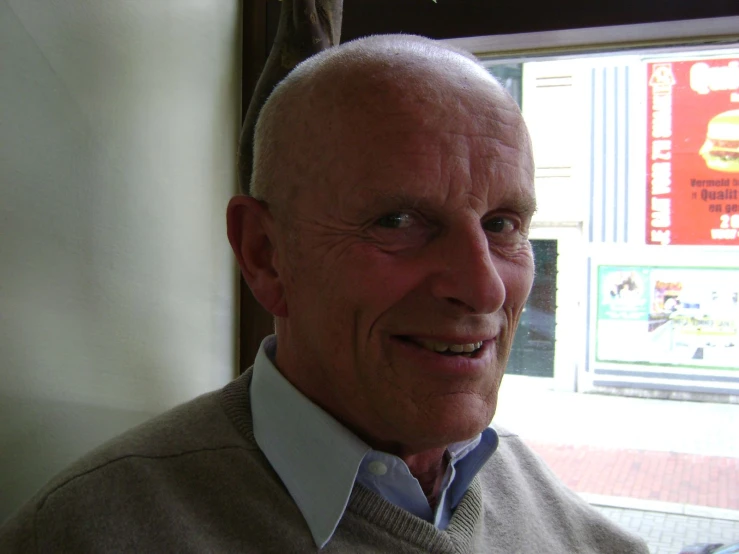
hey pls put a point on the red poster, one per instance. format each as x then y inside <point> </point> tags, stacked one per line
<point>693,152</point>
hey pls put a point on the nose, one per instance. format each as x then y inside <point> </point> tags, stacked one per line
<point>468,272</point>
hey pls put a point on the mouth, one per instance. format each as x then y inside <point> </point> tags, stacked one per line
<point>466,350</point>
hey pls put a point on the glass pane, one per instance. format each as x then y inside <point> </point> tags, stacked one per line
<point>533,346</point>
<point>637,177</point>
<point>510,76</point>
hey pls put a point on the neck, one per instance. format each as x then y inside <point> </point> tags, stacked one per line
<point>429,468</point>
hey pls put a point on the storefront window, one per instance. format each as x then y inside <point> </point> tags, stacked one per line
<point>638,154</point>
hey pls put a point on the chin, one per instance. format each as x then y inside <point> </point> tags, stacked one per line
<point>457,428</point>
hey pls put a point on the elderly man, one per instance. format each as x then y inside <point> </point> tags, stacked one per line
<point>386,231</point>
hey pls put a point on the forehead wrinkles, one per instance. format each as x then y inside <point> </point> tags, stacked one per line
<point>475,136</point>
<point>454,172</point>
<point>330,121</point>
<point>445,118</point>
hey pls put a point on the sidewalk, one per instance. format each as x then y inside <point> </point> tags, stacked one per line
<point>668,533</point>
<point>538,414</point>
<point>657,476</point>
<point>685,453</point>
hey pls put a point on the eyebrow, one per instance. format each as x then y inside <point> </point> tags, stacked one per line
<point>521,204</point>
<point>389,199</point>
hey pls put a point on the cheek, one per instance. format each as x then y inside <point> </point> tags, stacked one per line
<point>346,294</point>
<point>383,278</point>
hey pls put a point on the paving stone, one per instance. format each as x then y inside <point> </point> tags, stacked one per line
<point>668,533</point>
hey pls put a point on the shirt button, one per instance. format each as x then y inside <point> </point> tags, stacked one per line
<point>377,468</point>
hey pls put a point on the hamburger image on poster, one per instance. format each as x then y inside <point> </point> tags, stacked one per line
<point>721,149</point>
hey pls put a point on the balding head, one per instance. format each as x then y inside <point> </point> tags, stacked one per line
<point>349,86</point>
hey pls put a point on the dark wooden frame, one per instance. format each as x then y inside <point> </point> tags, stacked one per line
<point>254,321</point>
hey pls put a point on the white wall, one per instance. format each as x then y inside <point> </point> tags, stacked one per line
<point>118,130</point>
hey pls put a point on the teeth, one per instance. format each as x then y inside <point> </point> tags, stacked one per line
<point>443,346</point>
<point>439,346</point>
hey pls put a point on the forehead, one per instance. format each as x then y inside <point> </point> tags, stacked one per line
<point>438,140</point>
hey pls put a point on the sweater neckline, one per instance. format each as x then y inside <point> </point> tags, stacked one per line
<point>457,537</point>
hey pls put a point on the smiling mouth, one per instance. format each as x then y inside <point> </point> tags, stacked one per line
<point>467,350</point>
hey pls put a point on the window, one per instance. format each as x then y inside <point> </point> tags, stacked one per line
<point>625,371</point>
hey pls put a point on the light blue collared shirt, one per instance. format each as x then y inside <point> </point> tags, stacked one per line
<point>318,459</point>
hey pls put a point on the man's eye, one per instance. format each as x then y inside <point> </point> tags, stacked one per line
<point>397,220</point>
<point>500,224</point>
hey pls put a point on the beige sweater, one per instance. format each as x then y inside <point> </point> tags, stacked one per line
<point>194,480</point>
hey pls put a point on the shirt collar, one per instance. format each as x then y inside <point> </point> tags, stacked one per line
<point>317,458</point>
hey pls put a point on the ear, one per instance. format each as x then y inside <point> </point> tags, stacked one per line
<point>251,232</point>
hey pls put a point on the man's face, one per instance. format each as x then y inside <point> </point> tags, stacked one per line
<point>409,246</point>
